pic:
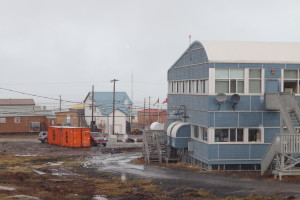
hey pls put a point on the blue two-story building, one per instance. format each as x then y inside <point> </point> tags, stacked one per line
<point>217,109</point>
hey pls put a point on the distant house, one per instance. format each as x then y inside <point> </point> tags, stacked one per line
<point>149,116</point>
<point>73,116</point>
<point>103,111</point>
<point>22,116</point>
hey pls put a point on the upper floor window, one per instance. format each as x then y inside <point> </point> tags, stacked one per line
<point>291,81</point>
<point>189,87</point>
<point>254,81</point>
<point>229,81</point>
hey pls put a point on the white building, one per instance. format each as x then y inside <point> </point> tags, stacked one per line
<point>103,111</point>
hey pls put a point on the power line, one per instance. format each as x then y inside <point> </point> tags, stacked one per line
<point>37,95</point>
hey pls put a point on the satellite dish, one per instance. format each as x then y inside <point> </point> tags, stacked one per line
<point>235,100</point>
<point>221,98</point>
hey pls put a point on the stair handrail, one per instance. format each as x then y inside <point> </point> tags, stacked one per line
<point>288,122</point>
<point>276,140</point>
<point>295,105</point>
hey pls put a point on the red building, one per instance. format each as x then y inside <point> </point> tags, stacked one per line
<point>149,116</point>
<point>22,116</point>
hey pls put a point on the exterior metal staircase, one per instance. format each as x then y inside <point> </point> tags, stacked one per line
<point>294,119</point>
<point>154,146</point>
<point>285,148</point>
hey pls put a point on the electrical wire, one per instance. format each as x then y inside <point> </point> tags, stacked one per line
<point>37,95</point>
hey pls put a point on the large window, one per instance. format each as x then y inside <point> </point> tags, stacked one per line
<point>2,120</point>
<point>291,81</point>
<point>254,81</point>
<point>241,135</point>
<point>229,135</point>
<point>229,81</point>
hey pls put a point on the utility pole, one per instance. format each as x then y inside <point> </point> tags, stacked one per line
<point>92,122</point>
<point>59,102</point>
<point>149,118</point>
<point>114,91</point>
<point>144,112</point>
<point>130,116</point>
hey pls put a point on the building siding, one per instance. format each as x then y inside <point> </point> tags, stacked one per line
<point>203,110</point>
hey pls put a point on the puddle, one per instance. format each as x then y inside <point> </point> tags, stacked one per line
<point>25,155</point>
<point>38,172</point>
<point>60,174</point>
<point>7,188</point>
<point>54,163</point>
<point>121,163</point>
<point>22,197</point>
<point>99,197</point>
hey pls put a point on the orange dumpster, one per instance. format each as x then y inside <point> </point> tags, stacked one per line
<point>86,137</point>
<point>69,136</point>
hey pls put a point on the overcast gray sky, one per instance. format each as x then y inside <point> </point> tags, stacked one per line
<point>56,47</point>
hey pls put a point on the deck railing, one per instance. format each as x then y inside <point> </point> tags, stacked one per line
<point>289,143</point>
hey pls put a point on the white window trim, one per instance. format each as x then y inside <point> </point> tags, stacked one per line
<point>212,74</point>
<point>2,120</point>
<point>246,135</point>
<point>298,80</point>
<point>200,134</point>
<point>189,87</point>
<point>230,79</point>
<point>212,81</point>
<point>262,79</point>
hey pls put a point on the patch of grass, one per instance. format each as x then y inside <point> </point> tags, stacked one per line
<point>252,197</point>
<point>139,161</point>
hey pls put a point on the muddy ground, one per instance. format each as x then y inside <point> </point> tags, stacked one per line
<point>32,170</point>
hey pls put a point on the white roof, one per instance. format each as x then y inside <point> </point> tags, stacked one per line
<point>157,126</point>
<point>252,52</point>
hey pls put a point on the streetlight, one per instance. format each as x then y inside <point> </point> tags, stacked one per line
<point>114,88</point>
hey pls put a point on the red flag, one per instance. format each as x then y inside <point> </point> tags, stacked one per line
<point>165,101</point>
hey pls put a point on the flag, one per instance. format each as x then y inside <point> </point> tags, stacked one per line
<point>165,101</point>
<point>156,102</point>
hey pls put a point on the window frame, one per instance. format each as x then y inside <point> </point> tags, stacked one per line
<point>2,120</point>
<point>195,86</point>
<point>245,136</point>
<point>297,80</point>
<point>229,80</point>
<point>17,120</point>
<point>255,79</point>
<point>200,136</point>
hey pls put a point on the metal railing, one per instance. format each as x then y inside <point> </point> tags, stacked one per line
<point>289,143</point>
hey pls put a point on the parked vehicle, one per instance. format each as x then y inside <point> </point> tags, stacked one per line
<point>43,136</point>
<point>97,139</point>
<point>136,132</point>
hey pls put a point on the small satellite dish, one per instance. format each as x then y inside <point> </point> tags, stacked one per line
<point>235,100</point>
<point>221,98</point>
